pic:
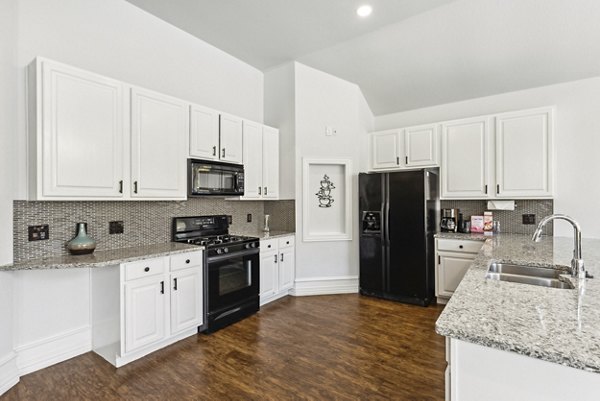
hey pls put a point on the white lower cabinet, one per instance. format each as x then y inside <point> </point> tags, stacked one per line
<point>454,258</point>
<point>145,307</point>
<point>186,300</point>
<point>277,268</point>
<point>268,274</point>
<point>142,306</point>
<point>483,373</point>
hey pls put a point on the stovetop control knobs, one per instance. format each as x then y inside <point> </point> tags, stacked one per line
<point>226,250</point>
<point>219,251</point>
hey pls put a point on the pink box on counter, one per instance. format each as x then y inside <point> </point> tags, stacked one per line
<point>476,224</point>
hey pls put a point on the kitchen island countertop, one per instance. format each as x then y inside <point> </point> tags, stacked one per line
<point>555,325</point>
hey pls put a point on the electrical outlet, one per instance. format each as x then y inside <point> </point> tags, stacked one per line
<point>529,219</point>
<point>116,227</point>
<point>229,219</point>
<point>249,217</point>
<point>38,233</point>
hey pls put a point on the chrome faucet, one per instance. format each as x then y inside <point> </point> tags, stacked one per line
<point>577,267</point>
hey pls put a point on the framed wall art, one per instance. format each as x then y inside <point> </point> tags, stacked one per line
<point>327,200</point>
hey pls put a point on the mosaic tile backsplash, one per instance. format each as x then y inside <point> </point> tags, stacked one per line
<point>511,221</point>
<point>283,215</point>
<point>145,223</point>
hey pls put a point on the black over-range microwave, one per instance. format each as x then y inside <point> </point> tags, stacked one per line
<point>214,178</point>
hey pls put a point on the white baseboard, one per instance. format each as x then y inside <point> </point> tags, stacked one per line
<point>54,349</point>
<point>9,374</point>
<point>325,286</point>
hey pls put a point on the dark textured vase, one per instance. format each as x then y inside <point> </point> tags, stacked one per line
<point>82,244</point>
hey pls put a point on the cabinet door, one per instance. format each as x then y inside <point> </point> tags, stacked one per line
<point>145,312</point>
<point>451,270</point>
<point>186,299</point>
<point>253,160</point>
<point>286,269</point>
<point>270,163</point>
<point>159,127</point>
<point>465,147</point>
<point>420,145</point>
<point>524,153</point>
<point>82,134</point>
<point>385,149</point>
<point>231,139</point>
<point>268,275</point>
<point>204,133</point>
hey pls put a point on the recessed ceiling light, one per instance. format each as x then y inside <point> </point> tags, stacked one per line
<point>364,11</point>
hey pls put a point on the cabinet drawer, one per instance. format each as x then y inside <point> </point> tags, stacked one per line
<point>452,245</point>
<point>145,268</point>
<point>186,260</point>
<point>286,242</point>
<point>268,245</point>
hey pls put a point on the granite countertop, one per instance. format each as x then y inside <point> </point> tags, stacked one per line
<point>555,325</point>
<point>103,258</point>
<point>270,235</point>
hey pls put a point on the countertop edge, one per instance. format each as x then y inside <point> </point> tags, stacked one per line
<point>49,264</point>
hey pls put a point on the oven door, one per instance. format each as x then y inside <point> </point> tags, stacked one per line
<point>232,279</point>
<point>215,179</point>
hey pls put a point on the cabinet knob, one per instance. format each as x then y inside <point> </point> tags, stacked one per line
<point>187,261</point>
<point>460,246</point>
<point>268,246</point>
<point>287,242</point>
<point>147,269</point>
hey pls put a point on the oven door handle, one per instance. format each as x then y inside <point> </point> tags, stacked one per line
<point>249,252</point>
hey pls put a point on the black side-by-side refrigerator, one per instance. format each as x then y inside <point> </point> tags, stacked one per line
<point>399,215</point>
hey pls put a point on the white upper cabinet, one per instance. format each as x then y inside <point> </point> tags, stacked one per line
<point>270,163</point>
<point>159,132</point>
<point>524,153</point>
<point>77,133</point>
<point>253,159</point>
<point>261,161</point>
<point>231,139</point>
<point>385,149</point>
<point>420,145</point>
<point>465,158</point>
<point>204,133</point>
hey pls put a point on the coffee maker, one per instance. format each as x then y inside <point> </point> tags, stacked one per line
<point>450,220</point>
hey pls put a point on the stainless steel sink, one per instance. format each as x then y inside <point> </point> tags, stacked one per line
<point>544,277</point>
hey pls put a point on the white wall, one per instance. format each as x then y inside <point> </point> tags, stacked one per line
<point>8,130</point>
<point>577,140</point>
<point>119,40</point>
<point>324,100</point>
<point>280,112</point>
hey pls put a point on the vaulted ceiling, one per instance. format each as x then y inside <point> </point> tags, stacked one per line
<point>408,53</point>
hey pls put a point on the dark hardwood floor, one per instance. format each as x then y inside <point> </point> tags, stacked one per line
<point>339,347</point>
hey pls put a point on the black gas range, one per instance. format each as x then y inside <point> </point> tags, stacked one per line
<point>231,268</point>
